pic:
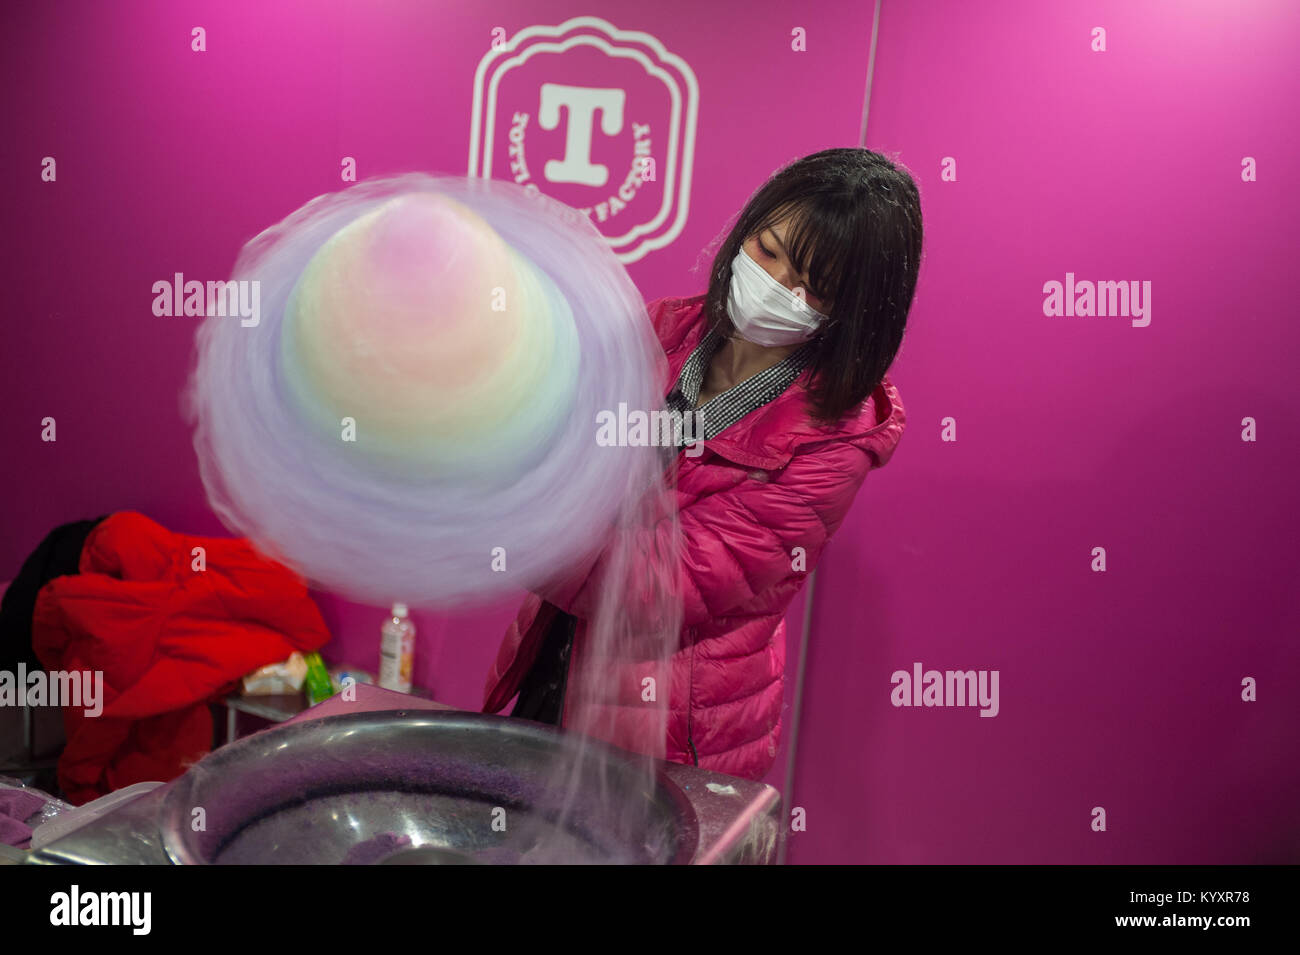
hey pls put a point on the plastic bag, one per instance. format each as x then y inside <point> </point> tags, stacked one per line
<point>48,811</point>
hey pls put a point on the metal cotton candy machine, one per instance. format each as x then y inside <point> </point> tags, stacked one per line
<point>430,787</point>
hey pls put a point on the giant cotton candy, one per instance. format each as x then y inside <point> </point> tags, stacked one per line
<point>414,416</point>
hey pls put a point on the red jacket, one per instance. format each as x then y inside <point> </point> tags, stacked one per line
<point>772,482</point>
<point>167,638</point>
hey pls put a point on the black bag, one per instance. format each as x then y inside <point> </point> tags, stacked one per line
<point>58,555</point>
<point>541,695</point>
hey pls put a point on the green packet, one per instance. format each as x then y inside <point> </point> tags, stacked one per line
<point>317,682</point>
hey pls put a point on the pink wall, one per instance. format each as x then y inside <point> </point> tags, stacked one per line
<point>1118,689</point>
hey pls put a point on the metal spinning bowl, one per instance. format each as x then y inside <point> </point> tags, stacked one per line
<point>422,787</point>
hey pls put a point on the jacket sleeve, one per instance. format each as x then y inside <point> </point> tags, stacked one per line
<point>734,544</point>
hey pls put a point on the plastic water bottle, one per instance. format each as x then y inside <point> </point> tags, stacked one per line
<point>397,651</point>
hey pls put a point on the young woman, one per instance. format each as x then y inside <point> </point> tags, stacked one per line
<point>784,358</point>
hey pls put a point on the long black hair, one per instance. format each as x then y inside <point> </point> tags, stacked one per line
<point>856,225</point>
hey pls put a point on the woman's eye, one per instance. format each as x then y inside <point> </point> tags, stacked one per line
<point>820,299</point>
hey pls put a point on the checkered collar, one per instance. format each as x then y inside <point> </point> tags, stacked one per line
<point>725,409</point>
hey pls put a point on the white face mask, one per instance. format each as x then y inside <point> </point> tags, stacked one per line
<point>763,310</point>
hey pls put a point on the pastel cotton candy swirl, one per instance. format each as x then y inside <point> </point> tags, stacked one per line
<point>414,415</point>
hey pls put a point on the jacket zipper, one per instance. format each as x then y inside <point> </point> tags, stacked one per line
<point>690,693</point>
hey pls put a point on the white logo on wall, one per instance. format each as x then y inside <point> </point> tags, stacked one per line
<point>640,204</point>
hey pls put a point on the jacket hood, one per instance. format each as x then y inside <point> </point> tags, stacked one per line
<point>769,436</point>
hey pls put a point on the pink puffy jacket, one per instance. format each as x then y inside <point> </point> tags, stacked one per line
<point>772,482</point>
